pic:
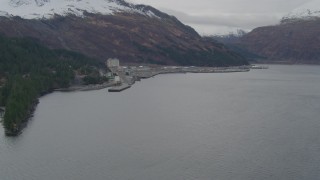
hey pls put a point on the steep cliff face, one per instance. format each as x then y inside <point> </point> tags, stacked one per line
<point>115,28</point>
<point>296,41</point>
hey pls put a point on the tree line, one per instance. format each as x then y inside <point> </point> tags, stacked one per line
<point>29,70</point>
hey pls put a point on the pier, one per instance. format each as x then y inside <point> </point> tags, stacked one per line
<point>259,67</point>
<point>119,88</point>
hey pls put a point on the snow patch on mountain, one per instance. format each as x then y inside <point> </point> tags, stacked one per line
<point>38,9</point>
<point>307,11</point>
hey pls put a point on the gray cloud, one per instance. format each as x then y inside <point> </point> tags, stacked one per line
<point>223,16</point>
<point>229,20</point>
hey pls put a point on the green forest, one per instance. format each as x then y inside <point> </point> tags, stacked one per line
<point>29,70</point>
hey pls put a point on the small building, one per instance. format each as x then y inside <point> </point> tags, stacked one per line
<point>108,75</point>
<point>144,68</point>
<point>113,62</point>
<point>117,79</point>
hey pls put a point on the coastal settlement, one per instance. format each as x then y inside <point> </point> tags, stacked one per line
<point>123,77</point>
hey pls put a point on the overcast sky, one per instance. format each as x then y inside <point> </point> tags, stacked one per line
<point>224,16</point>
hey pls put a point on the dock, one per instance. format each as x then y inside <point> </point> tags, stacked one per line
<point>259,67</point>
<point>119,88</point>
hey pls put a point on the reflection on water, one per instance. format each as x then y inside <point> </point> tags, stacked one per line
<point>258,125</point>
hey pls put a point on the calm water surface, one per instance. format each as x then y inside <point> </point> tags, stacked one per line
<point>261,125</point>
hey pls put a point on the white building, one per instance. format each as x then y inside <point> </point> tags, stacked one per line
<point>113,62</point>
<point>117,79</point>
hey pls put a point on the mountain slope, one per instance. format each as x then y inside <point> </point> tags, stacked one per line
<point>133,33</point>
<point>295,41</point>
<point>231,40</point>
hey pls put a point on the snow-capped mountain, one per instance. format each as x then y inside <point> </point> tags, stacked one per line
<point>307,11</point>
<point>112,28</point>
<point>38,9</point>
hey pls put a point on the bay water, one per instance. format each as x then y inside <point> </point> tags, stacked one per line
<point>263,124</point>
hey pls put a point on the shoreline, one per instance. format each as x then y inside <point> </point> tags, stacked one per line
<point>138,74</point>
<point>272,62</point>
<point>89,87</point>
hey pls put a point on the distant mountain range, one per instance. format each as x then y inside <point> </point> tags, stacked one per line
<point>296,39</point>
<point>112,28</point>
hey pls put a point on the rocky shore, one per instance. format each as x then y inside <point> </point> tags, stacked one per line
<point>16,130</point>
<point>87,87</point>
<point>129,75</point>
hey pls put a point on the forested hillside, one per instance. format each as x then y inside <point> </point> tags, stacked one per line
<point>28,70</point>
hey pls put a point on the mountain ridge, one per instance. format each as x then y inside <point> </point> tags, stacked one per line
<point>141,35</point>
<point>295,40</point>
<point>46,9</point>
<point>306,11</point>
